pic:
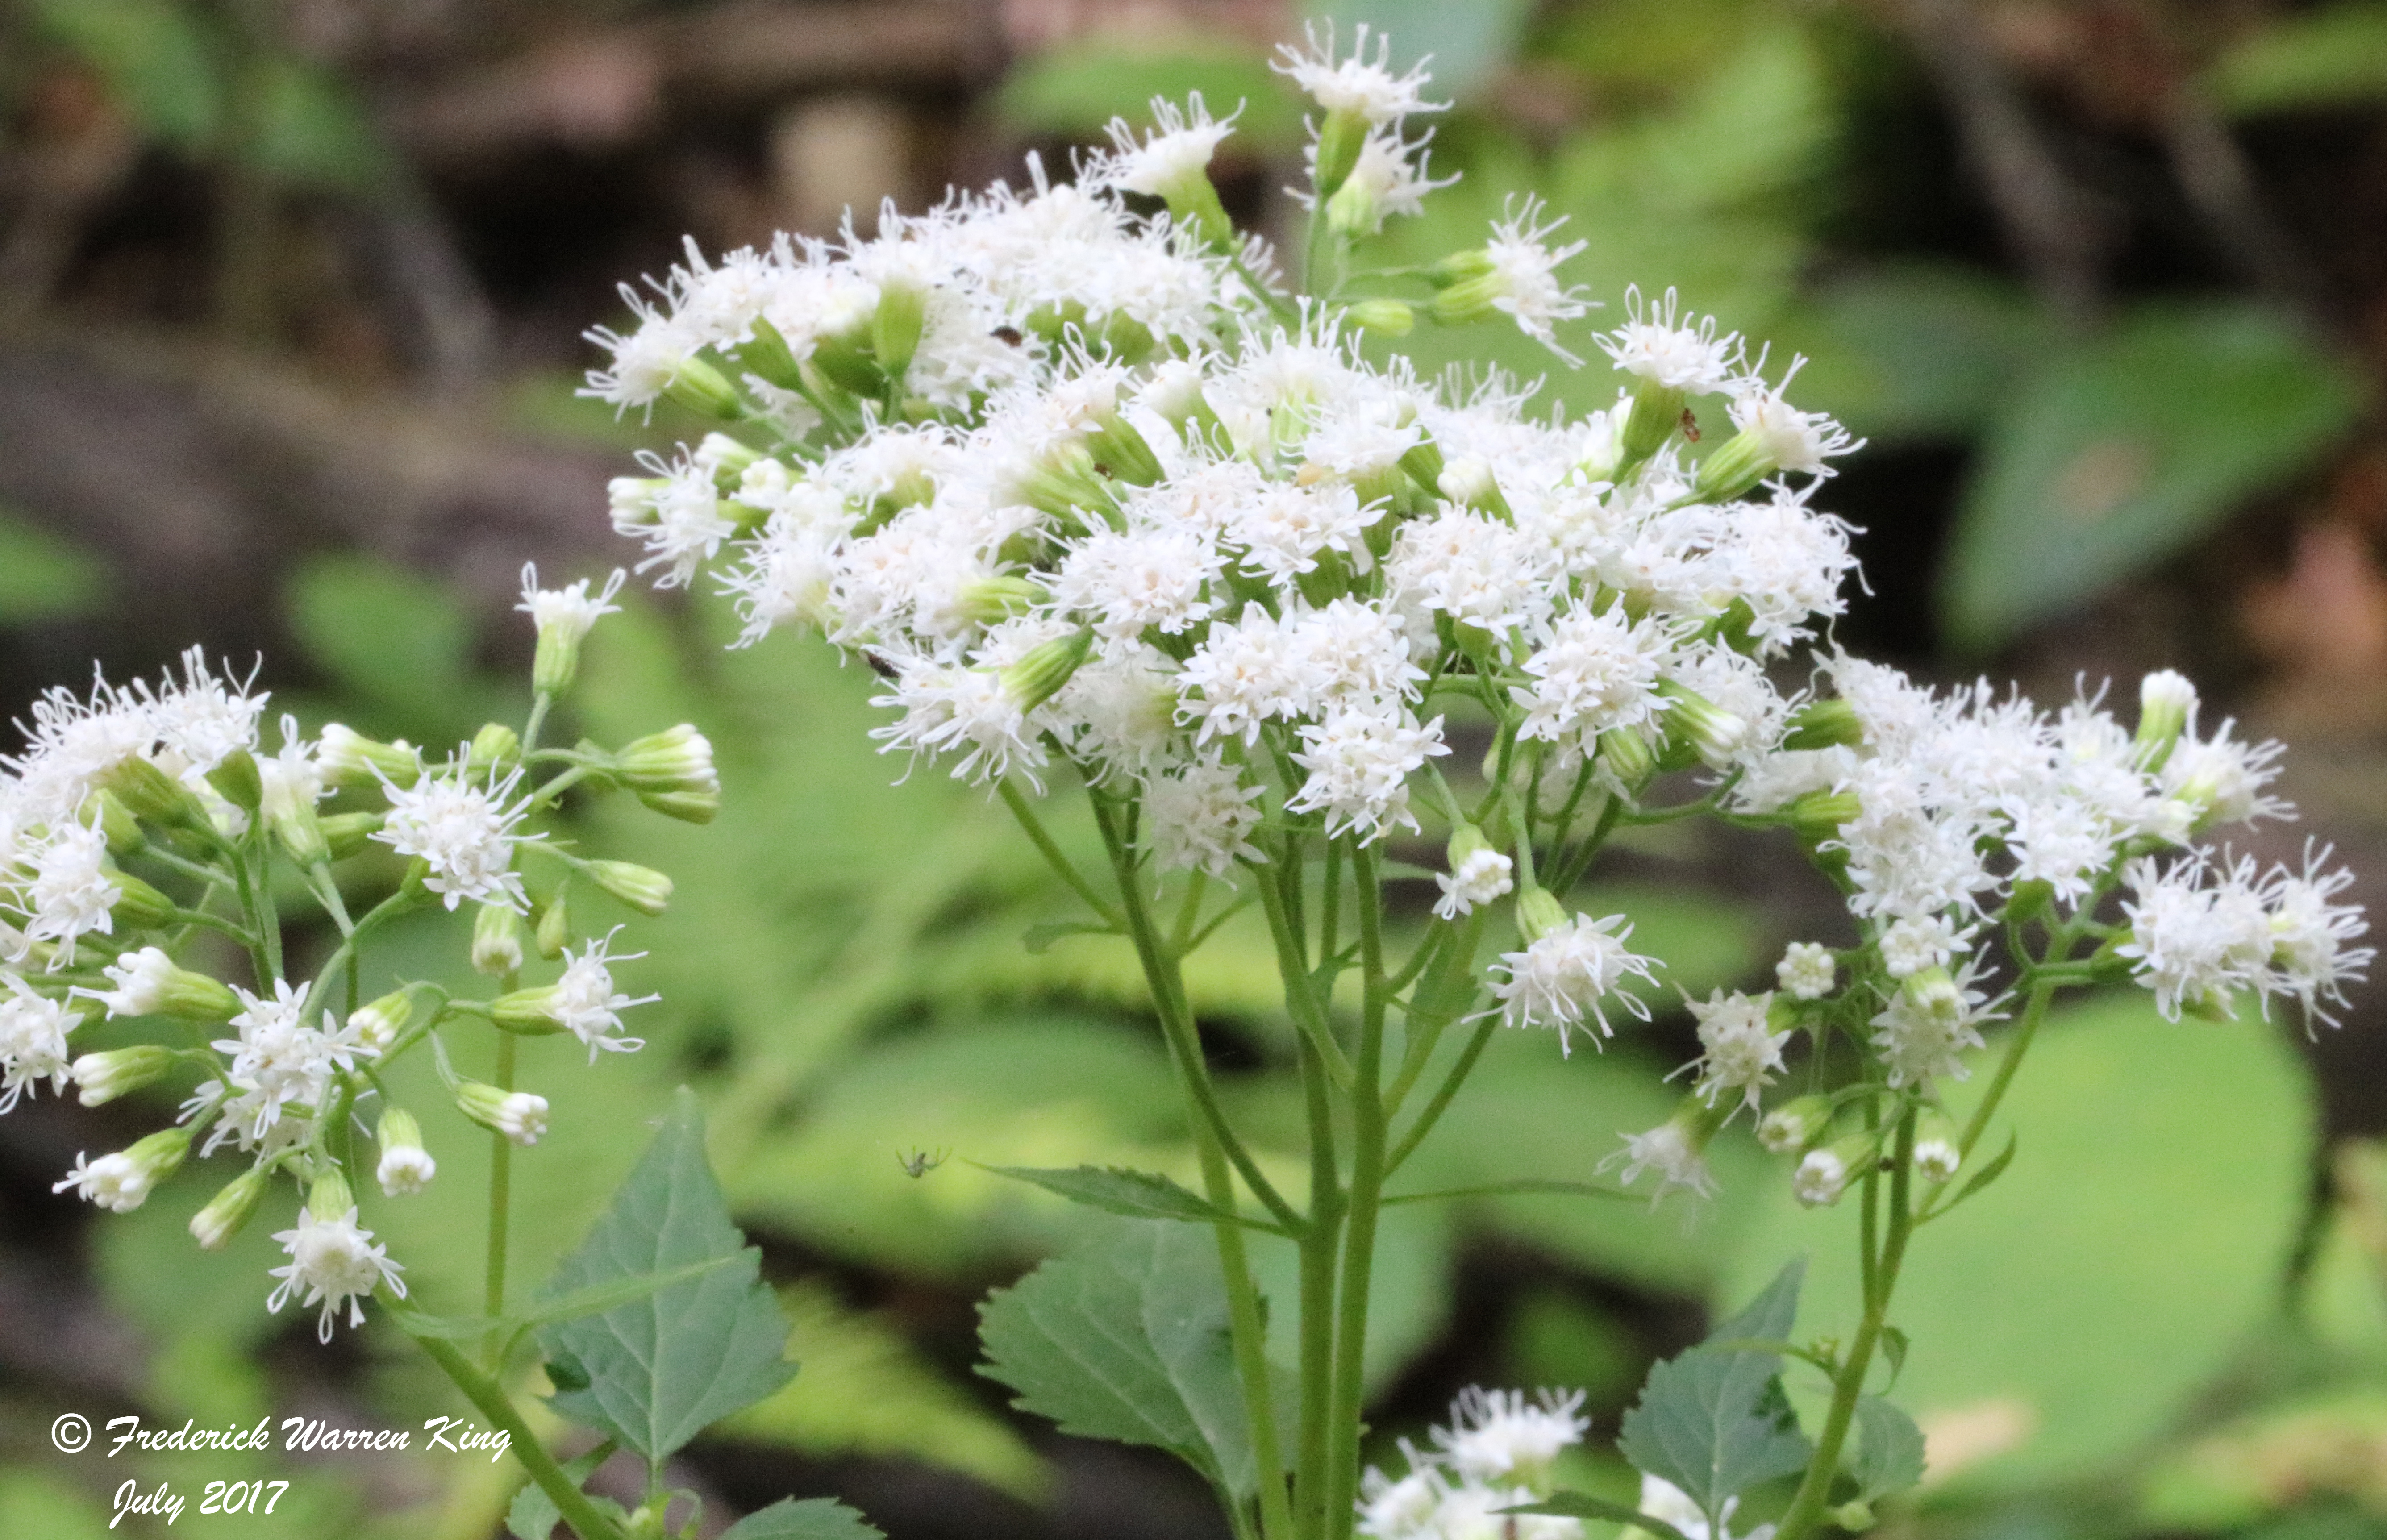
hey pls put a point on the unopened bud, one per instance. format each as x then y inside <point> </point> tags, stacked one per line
<point>349,834</point>
<point>1938,1152</point>
<point>1039,674</point>
<point>1825,1173</point>
<point>102,1077</point>
<point>138,905</point>
<point>518,1115</point>
<point>1817,816</point>
<point>701,388</point>
<point>643,888</point>
<point>766,353</point>
<point>148,983</point>
<point>1794,1126</point>
<point>1807,971</point>
<point>236,776</point>
<point>1855,1516</point>
<point>152,795</point>
<point>1656,413</point>
<point>405,1167</point>
<point>494,747</point>
<point>1538,913</point>
<point>347,757</point>
<point>2166,706</point>
<point>1709,730</point>
<point>672,772</point>
<point>1340,139</point>
<point>116,826</point>
<point>1627,759</point>
<point>895,325</point>
<point>497,940</point>
<point>122,1181</point>
<point>214,1226</point>
<point>329,1197</point>
<point>554,932</point>
<point>1391,318</point>
<point>1824,724</point>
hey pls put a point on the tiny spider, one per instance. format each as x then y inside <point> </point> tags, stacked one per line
<point>919,1163</point>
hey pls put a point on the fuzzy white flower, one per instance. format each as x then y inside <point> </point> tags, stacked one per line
<point>1568,974</point>
<point>1654,344</point>
<point>333,1262</point>
<point>462,831</point>
<point>1359,84</point>
<point>1499,1436</point>
<point>278,1061</point>
<point>572,609</point>
<point>1483,874</point>
<point>1807,970</point>
<point>116,1182</point>
<point>1670,1151</point>
<point>1359,761</point>
<point>1201,817</point>
<point>33,1032</point>
<point>1743,1052</point>
<point>584,1000</point>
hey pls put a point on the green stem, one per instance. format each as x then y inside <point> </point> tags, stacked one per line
<point>538,709</point>
<point>491,1402</point>
<point>1292,966</point>
<point>1368,1166</point>
<point>1052,853</point>
<point>501,1166</point>
<point>1318,1249</point>
<point>1216,1144</point>
<point>1806,1509</point>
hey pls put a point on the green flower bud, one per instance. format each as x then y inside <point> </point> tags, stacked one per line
<point>1699,724</point>
<point>1423,463</point>
<point>1794,1125</point>
<point>138,905</point>
<point>1656,413</point>
<point>494,747</point>
<point>102,1077</point>
<point>895,326</point>
<point>1538,913</point>
<point>701,388</point>
<point>330,1198</point>
<point>379,1022</point>
<point>349,834</point>
<point>497,940</point>
<point>153,796</point>
<point>1827,1171</point>
<point>729,457</point>
<point>1340,139</point>
<point>347,757</point>
<point>1937,1149</point>
<point>405,1167</point>
<point>214,1226</point>
<point>236,776</point>
<point>122,1181</point>
<point>672,772</point>
<point>1038,677</point>
<point>991,601</point>
<point>148,983</point>
<point>1626,758</point>
<point>643,888</point>
<point>1817,816</point>
<point>554,932</point>
<point>766,353</point>
<point>518,1115</point>
<point>1855,1516</point>
<point>526,1012</point>
<point>1825,725</point>
<point>117,825</point>
<point>2167,705</point>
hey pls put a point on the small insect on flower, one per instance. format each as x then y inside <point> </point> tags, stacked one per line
<point>919,1163</point>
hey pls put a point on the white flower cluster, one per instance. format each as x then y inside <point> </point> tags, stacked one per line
<point>172,780</point>
<point>1496,1454</point>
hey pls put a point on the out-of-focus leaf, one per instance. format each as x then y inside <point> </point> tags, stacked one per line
<point>1913,353</point>
<point>401,641</point>
<point>45,578</point>
<point>2145,1246</point>
<point>1556,1338</point>
<point>1079,87</point>
<point>312,131</point>
<point>1127,1339</point>
<point>1642,50</point>
<point>1116,1190</point>
<point>1582,1505</point>
<point>813,1518</point>
<point>533,1514</point>
<point>155,56</point>
<point>2288,1457</point>
<point>2119,452</point>
<point>1467,43</point>
<point>1713,1420</point>
<point>34,1502</point>
<point>1890,1449</point>
<point>865,1390</point>
<point>2333,57</point>
<point>663,1368</point>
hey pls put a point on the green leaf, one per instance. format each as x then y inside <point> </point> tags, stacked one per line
<point>533,1514</point>
<point>1894,1345</point>
<point>156,56</point>
<point>2148,1249</point>
<point>1713,1421</point>
<point>1510,1188</point>
<point>401,641</point>
<point>2119,451</point>
<point>1890,1449</point>
<point>813,1518</point>
<point>1918,351</point>
<point>594,1300</point>
<point>867,1390</point>
<point>2333,57</point>
<point>663,1368</point>
<point>1136,1195</point>
<point>45,578</point>
<point>1580,1505</point>
<point>1986,1175</point>
<point>1127,1339</point>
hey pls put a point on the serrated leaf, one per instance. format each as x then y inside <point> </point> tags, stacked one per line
<point>1579,1505</point>
<point>663,1367</point>
<point>2121,450</point>
<point>533,1515</point>
<point>1714,1421</point>
<point>813,1518</point>
<point>1128,1341</point>
<point>1116,1190</point>
<point>1890,1449</point>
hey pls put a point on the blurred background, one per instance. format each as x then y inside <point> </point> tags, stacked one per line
<point>292,296</point>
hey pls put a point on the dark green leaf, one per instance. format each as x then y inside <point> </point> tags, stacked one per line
<point>533,1515</point>
<point>1128,1341</point>
<point>593,1300</point>
<point>813,1518</point>
<point>1511,1189</point>
<point>1579,1505</point>
<point>1914,352</point>
<point>1116,1190</point>
<point>1890,1449</point>
<point>2116,453</point>
<point>1714,1421</point>
<point>663,1367</point>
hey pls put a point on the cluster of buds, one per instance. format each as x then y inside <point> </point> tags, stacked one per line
<point>137,818</point>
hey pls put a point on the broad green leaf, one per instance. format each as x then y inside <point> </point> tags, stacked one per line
<point>594,1300</point>
<point>156,56</point>
<point>2123,449</point>
<point>1913,352</point>
<point>867,1390</point>
<point>1890,1449</point>
<point>1466,45</point>
<point>2335,56</point>
<point>1116,1190</point>
<point>2146,1248</point>
<point>662,1368</point>
<point>813,1518</point>
<point>1078,88</point>
<point>1127,1339</point>
<point>1582,1505</point>
<point>533,1514</point>
<point>1713,1420</point>
<point>401,641</point>
<point>43,577</point>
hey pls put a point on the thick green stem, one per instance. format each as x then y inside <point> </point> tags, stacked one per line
<point>1368,1168</point>
<point>491,1402</point>
<point>1292,966</point>
<point>501,1167</point>
<point>1806,1509</point>
<point>1216,1144</point>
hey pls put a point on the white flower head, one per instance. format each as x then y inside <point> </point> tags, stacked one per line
<point>1482,875</point>
<point>33,1041</point>
<point>116,1182</point>
<point>572,609</point>
<point>1201,817</point>
<point>586,1004</point>
<point>1671,1151</point>
<point>333,1262</point>
<point>1162,163</point>
<point>1568,976</point>
<point>1357,84</point>
<point>1807,970</point>
<point>463,831</point>
<point>1499,1436</point>
<point>1672,354</point>
<point>1743,1052</point>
